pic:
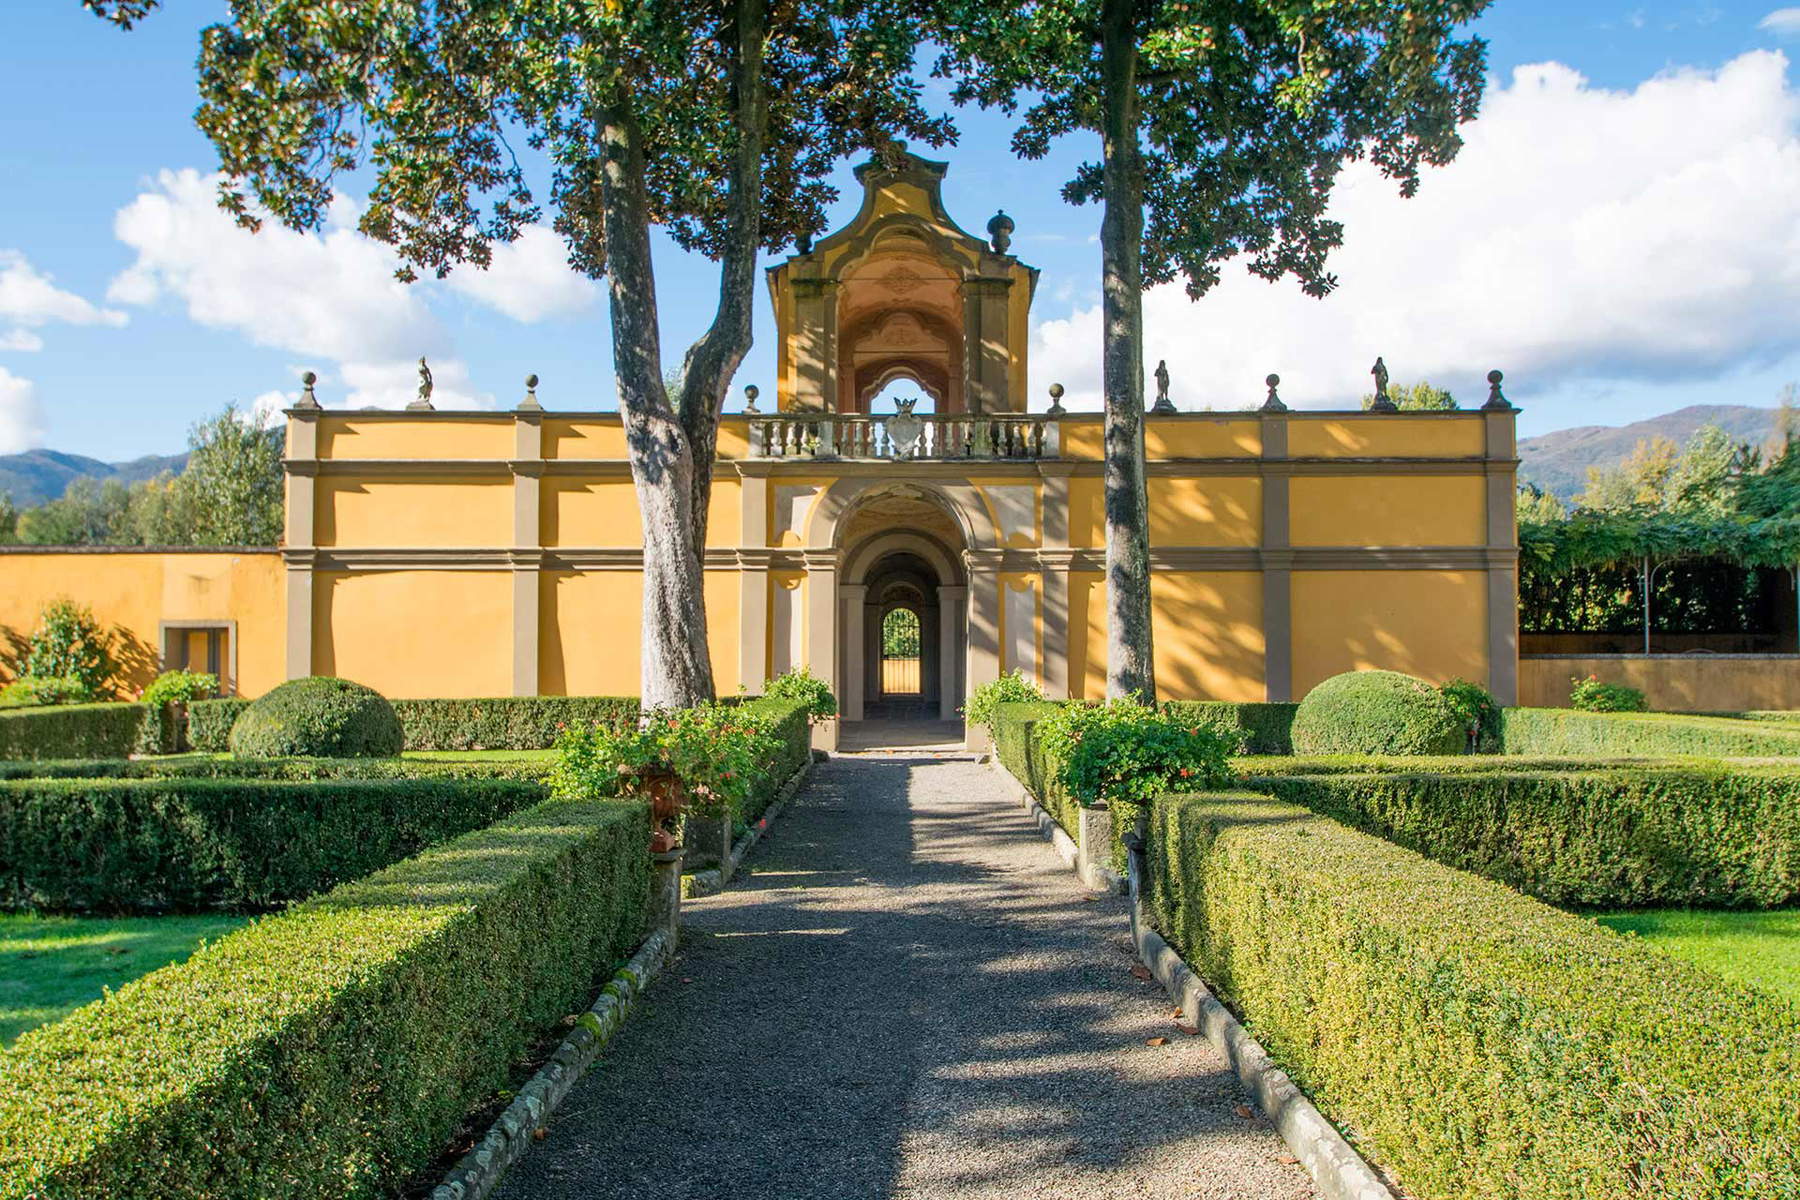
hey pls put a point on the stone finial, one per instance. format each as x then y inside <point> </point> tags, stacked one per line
<point>307,399</point>
<point>1056,395</point>
<point>1000,230</point>
<point>1163,403</point>
<point>423,403</point>
<point>804,242</point>
<point>1496,401</point>
<point>1273,403</point>
<point>1382,402</point>
<point>751,392</point>
<point>530,402</point>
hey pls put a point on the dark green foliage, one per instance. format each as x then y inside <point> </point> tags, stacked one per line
<point>786,721</point>
<point>1376,712</point>
<point>1702,836</point>
<point>207,767</point>
<point>1477,712</point>
<point>1249,728</point>
<point>506,722</point>
<point>69,643</point>
<point>73,731</point>
<point>1478,1042</point>
<point>1591,695</point>
<point>189,845</point>
<point>320,715</point>
<point>209,723</point>
<point>330,1052</point>
<point>1609,735</point>
<point>1021,751</point>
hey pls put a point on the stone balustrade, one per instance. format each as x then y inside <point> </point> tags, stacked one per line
<point>897,436</point>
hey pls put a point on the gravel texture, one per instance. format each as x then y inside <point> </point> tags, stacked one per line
<point>908,996</point>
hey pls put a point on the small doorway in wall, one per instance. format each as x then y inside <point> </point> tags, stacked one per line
<point>901,677</point>
<point>202,646</point>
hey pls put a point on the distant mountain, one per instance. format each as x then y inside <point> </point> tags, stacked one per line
<point>39,475</point>
<point>1558,462</point>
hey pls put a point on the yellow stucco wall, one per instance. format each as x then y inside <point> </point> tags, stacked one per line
<point>1386,435</point>
<point>399,436</point>
<point>445,511</point>
<point>1202,437</point>
<point>413,634</point>
<point>1087,635</point>
<point>588,632</point>
<point>1426,623</point>
<point>1208,635</point>
<point>1701,683</point>
<point>590,439</point>
<point>1387,510</point>
<point>1221,510</point>
<point>136,592</point>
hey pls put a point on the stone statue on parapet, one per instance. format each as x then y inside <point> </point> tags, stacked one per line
<point>1382,402</point>
<point>1163,403</point>
<point>425,387</point>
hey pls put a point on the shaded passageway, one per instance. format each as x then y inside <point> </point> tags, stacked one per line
<point>909,997</point>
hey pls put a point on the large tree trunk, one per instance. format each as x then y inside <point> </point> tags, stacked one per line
<point>675,671</point>
<point>1130,669</point>
<point>672,444</point>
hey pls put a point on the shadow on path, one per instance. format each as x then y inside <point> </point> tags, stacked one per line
<point>909,997</point>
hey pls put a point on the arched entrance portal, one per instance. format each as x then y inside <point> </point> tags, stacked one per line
<point>903,636</point>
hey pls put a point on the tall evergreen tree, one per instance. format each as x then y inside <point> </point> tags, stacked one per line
<point>1223,125</point>
<point>717,119</point>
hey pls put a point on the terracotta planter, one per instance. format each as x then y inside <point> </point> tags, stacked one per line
<point>667,798</point>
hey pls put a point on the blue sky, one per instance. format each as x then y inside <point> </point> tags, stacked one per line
<point>1622,236</point>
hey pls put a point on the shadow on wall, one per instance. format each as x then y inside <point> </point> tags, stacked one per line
<point>139,662</point>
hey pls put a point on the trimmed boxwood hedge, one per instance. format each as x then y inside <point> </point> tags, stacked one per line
<point>209,723</point>
<point>1376,712</point>
<point>1251,728</point>
<point>1021,751</point>
<point>790,721</point>
<point>506,722</point>
<point>1702,835</point>
<point>1474,1041</point>
<point>1607,735</point>
<point>187,845</point>
<point>332,1051</point>
<point>208,767</point>
<point>73,731</point>
<point>319,715</point>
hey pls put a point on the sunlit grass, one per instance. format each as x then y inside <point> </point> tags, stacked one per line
<point>50,966</point>
<point>1759,948</point>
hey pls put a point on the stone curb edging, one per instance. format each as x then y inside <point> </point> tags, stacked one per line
<point>705,883</point>
<point>1052,831</point>
<point>477,1173</point>
<point>1338,1170</point>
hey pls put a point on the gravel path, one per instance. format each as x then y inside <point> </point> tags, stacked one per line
<point>909,997</point>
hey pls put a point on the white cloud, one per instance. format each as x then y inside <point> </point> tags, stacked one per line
<point>529,279</point>
<point>30,299</point>
<point>1582,232</point>
<point>332,295</point>
<point>19,428</point>
<point>1784,22</point>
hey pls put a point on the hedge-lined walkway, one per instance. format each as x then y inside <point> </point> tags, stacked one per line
<point>910,997</point>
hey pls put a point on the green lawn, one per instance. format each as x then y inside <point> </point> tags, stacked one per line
<point>50,966</point>
<point>1760,948</point>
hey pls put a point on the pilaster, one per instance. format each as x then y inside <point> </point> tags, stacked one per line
<point>953,617</point>
<point>1277,558</point>
<point>527,556</point>
<point>302,468</point>
<point>753,584</point>
<point>821,617</point>
<point>1503,548</point>
<point>983,637</point>
<point>1056,584</point>
<point>854,613</point>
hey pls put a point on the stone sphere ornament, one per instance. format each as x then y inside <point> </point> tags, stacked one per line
<point>1000,230</point>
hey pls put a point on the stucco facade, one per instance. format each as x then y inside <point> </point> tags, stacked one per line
<point>432,553</point>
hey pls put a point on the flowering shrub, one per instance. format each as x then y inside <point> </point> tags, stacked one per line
<point>802,685</point>
<point>1478,711</point>
<point>1009,688</point>
<point>719,754</point>
<point>180,687</point>
<point>1125,752</point>
<point>1590,695</point>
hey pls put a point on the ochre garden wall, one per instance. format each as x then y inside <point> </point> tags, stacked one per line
<point>468,554</point>
<point>1671,683</point>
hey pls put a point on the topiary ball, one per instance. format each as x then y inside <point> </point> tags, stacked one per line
<point>1376,712</point>
<point>318,717</point>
